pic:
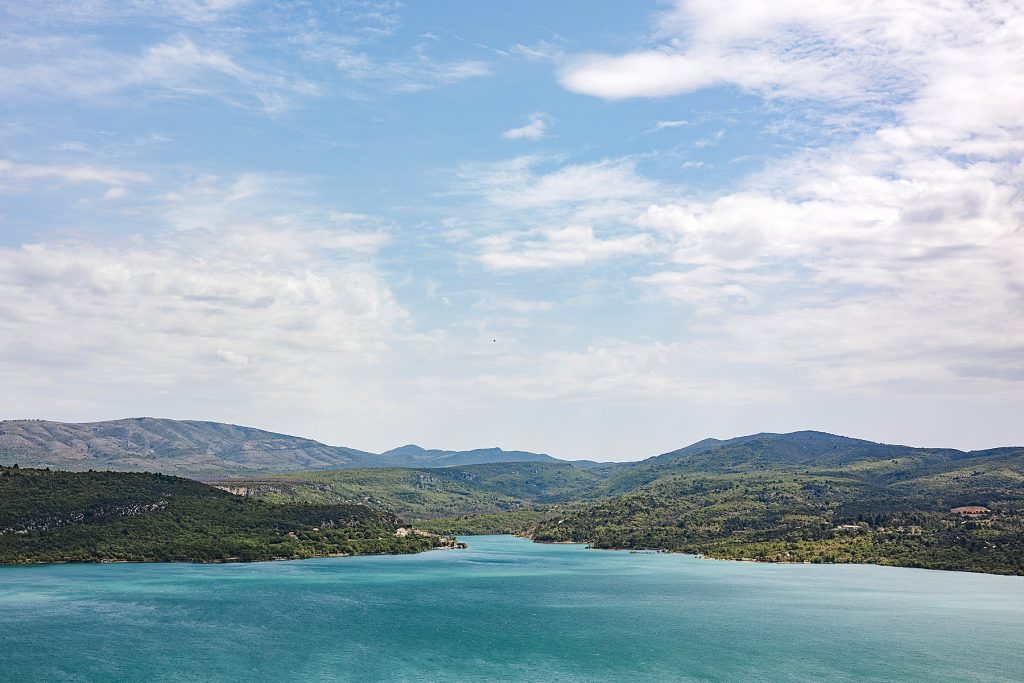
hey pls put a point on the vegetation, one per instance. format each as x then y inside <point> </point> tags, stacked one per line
<point>803,497</point>
<point>182,447</point>
<point>519,522</point>
<point>110,516</point>
<point>813,498</point>
<point>206,449</point>
<point>426,493</point>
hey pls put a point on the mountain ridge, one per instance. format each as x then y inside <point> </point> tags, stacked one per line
<point>417,456</point>
<point>804,496</point>
<point>204,448</point>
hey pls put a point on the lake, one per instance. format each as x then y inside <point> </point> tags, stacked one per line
<point>507,609</point>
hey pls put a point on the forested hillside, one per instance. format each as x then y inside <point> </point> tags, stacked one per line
<point>423,493</point>
<point>813,497</point>
<point>806,496</point>
<point>108,516</point>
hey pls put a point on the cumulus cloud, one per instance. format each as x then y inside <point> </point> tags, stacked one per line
<point>573,214</point>
<point>570,246</point>
<point>534,130</point>
<point>154,312</point>
<point>888,260</point>
<point>661,125</point>
<point>861,258</point>
<point>923,55</point>
<point>883,259</point>
<point>242,277</point>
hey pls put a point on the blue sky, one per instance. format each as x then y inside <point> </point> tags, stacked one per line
<point>597,230</point>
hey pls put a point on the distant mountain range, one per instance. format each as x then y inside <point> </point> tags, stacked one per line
<point>415,456</point>
<point>214,449</point>
<point>196,448</point>
<point>799,497</point>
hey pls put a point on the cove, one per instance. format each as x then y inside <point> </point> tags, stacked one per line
<point>507,609</point>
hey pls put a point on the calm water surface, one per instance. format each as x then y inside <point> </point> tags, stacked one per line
<point>508,609</point>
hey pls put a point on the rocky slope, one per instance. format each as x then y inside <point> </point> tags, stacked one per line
<point>207,449</point>
<point>169,446</point>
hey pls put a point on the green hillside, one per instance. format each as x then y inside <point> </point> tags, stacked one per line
<point>424,493</point>
<point>108,516</point>
<point>813,497</point>
<point>801,497</point>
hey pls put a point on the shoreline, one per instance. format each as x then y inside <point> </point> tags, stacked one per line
<point>230,560</point>
<point>751,560</point>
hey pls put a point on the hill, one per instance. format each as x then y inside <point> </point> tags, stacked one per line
<point>203,449</point>
<point>168,446</point>
<point>813,497</point>
<point>804,496</point>
<point>762,452</point>
<point>415,456</point>
<point>113,516</point>
<point>424,493</point>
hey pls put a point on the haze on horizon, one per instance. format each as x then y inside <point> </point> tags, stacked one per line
<point>595,230</point>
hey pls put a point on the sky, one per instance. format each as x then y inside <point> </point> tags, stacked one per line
<point>593,229</point>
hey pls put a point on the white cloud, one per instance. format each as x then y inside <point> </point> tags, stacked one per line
<point>573,214</point>
<point>78,67</point>
<point>571,246</point>
<point>425,74</point>
<point>94,11</point>
<point>454,72</point>
<point>20,173</point>
<point>709,141</point>
<point>858,266</point>
<point>710,290</point>
<point>887,263</point>
<point>891,260</point>
<point>198,11</point>
<point>612,371</point>
<point>233,358</point>
<point>636,75</point>
<point>517,183</point>
<point>245,290</point>
<point>847,52</point>
<point>534,130</point>
<point>269,218</point>
<point>513,304</point>
<point>120,313</point>
<point>539,51</point>
<point>414,71</point>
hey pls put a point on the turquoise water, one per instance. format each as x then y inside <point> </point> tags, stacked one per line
<point>508,609</point>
